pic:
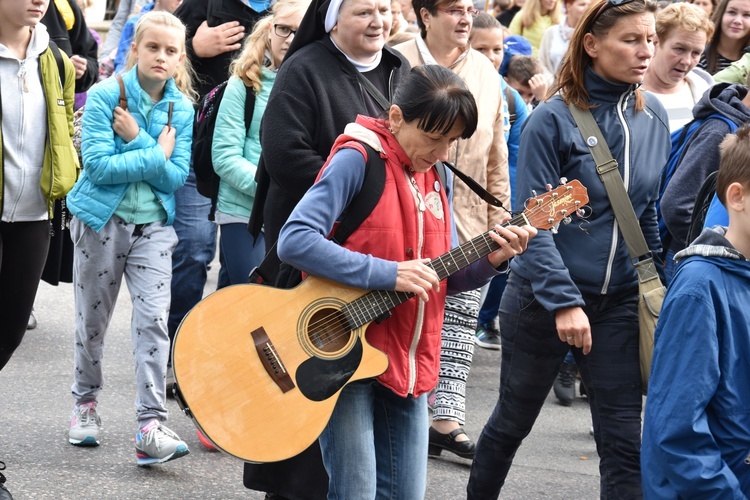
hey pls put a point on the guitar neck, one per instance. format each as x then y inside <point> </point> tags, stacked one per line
<point>378,303</point>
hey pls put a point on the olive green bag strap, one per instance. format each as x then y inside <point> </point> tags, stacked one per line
<point>606,167</point>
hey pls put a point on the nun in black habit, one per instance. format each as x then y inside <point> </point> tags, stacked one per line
<point>336,68</point>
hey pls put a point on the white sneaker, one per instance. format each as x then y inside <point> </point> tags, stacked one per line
<point>156,444</point>
<point>84,425</point>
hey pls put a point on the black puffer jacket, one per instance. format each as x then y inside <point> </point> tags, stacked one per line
<point>76,41</point>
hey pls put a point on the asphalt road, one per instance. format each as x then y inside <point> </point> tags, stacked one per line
<point>557,461</point>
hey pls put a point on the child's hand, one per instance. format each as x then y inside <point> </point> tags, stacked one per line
<point>167,139</point>
<point>125,125</point>
<point>538,85</point>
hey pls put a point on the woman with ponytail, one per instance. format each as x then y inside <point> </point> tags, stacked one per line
<point>577,290</point>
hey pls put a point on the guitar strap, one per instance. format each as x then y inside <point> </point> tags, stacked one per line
<point>276,273</point>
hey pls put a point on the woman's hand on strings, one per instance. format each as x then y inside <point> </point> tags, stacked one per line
<point>415,276</point>
<point>513,241</point>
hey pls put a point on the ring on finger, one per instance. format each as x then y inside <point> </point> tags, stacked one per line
<point>570,338</point>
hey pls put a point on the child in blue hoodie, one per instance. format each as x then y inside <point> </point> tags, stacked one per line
<point>696,432</point>
<point>134,158</point>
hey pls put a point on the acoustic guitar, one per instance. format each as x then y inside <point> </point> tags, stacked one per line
<point>260,369</point>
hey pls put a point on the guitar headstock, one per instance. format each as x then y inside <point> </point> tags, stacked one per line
<point>546,210</point>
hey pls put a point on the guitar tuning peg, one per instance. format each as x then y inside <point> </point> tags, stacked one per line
<point>563,180</point>
<point>567,220</point>
<point>554,228</point>
<point>549,187</point>
<point>533,193</point>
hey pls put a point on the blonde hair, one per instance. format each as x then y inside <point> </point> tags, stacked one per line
<point>249,63</point>
<point>532,11</point>
<point>183,75</point>
<point>683,15</point>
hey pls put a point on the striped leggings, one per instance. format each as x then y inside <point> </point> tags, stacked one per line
<point>457,351</point>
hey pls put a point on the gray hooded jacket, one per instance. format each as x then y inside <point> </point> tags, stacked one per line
<point>701,157</point>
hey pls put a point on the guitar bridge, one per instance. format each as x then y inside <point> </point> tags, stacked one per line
<point>271,361</point>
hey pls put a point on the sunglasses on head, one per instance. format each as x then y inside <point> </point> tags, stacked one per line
<point>612,3</point>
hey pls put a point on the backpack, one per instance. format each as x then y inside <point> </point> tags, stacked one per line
<point>281,275</point>
<point>702,204</point>
<point>510,99</point>
<point>206,178</point>
<point>680,139</point>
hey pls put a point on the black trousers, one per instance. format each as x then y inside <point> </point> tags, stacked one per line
<point>531,357</point>
<point>23,251</point>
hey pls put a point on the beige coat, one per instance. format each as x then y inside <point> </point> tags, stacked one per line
<point>484,156</point>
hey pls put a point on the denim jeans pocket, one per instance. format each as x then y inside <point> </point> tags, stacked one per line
<point>526,300</point>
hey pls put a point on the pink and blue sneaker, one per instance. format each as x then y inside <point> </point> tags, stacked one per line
<point>156,444</point>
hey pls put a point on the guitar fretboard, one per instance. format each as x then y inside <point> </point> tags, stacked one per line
<point>376,304</point>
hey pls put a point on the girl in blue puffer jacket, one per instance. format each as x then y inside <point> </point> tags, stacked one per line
<point>135,156</point>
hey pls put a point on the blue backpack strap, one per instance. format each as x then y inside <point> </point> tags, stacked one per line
<point>732,126</point>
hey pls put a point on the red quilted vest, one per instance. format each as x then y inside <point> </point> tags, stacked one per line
<point>398,230</point>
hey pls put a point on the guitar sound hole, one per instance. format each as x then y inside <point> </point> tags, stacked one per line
<point>327,330</point>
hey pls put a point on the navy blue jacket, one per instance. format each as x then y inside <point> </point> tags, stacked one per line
<point>590,256</point>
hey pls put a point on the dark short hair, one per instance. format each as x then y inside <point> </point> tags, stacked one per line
<point>436,98</point>
<point>735,162</point>
<point>523,68</point>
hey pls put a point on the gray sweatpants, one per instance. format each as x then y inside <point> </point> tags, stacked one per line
<point>143,254</point>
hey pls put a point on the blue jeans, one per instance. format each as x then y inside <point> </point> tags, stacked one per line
<point>195,249</point>
<point>491,302</point>
<point>239,253</point>
<point>375,445</point>
<point>532,354</point>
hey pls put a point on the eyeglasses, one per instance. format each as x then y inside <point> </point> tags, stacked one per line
<point>283,31</point>
<point>460,13</point>
<point>611,3</point>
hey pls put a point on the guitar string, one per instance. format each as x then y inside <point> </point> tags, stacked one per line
<point>363,311</point>
<point>339,316</point>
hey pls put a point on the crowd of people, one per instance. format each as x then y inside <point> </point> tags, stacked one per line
<point>470,111</point>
